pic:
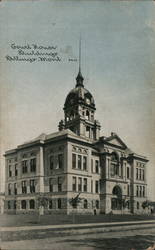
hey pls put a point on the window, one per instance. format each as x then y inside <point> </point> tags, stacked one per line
<point>128,172</point>
<point>96,187</point>
<point>9,189</point>
<point>60,161</point>
<point>137,205</point>
<point>24,188</point>
<point>16,169</point>
<point>15,204</point>
<point>33,165</point>
<point>113,169</point>
<point>140,191</point>
<point>92,165</point>
<point>79,161</point>
<point>97,204</point>
<point>59,204</point>
<point>15,188</point>
<point>143,174</point>
<point>97,166</point>
<point>23,204</point>
<point>128,190</point>
<point>74,183</point>
<point>10,171</point>
<point>91,186</point>
<point>59,184</point>
<point>24,166</point>
<point>32,204</point>
<point>137,191</point>
<point>79,184</point>
<point>140,174</point>
<point>137,173</point>
<point>73,160</point>
<point>50,204</point>
<point>84,163</point>
<point>51,185</point>
<point>85,204</point>
<point>85,185</point>
<point>51,162</point>
<point>32,186</point>
<point>9,205</point>
<point>128,204</point>
<point>143,191</point>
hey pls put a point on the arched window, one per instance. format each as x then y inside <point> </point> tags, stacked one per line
<point>85,204</point>
<point>23,204</point>
<point>114,164</point>
<point>32,204</point>
<point>117,202</point>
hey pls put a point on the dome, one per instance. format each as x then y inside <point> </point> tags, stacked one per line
<point>79,95</point>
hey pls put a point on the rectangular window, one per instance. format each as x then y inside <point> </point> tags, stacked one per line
<point>9,189</point>
<point>143,175</point>
<point>84,163</point>
<point>128,172</point>
<point>96,166</point>
<point>79,161</point>
<point>59,204</point>
<point>59,184</point>
<point>24,166</point>
<point>32,186</point>
<point>74,183</point>
<point>50,204</point>
<point>51,162</point>
<point>91,186</point>
<point>9,205</point>
<point>137,173</point>
<point>85,185</point>
<point>96,186</point>
<point>92,165</point>
<point>79,184</point>
<point>33,165</point>
<point>15,188</point>
<point>137,191</point>
<point>51,185</point>
<point>24,187</point>
<point>60,161</point>
<point>73,160</point>
<point>16,169</point>
<point>143,191</point>
<point>112,169</point>
<point>140,193</point>
<point>128,190</point>
<point>140,174</point>
<point>10,171</point>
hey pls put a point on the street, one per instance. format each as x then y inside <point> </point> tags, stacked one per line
<point>124,240</point>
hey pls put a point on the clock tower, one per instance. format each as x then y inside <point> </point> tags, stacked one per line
<point>79,110</point>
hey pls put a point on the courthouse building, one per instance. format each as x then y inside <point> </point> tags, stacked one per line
<point>75,170</point>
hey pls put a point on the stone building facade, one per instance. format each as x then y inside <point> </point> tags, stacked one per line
<point>75,170</point>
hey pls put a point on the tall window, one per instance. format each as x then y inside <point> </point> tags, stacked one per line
<point>59,184</point>
<point>23,204</point>
<point>32,186</point>
<point>137,205</point>
<point>74,183</point>
<point>128,172</point>
<point>9,205</point>
<point>15,204</point>
<point>85,204</point>
<point>143,175</point>
<point>16,169</point>
<point>91,186</point>
<point>60,161</point>
<point>24,166</point>
<point>85,185</point>
<point>59,203</point>
<point>15,188</point>
<point>51,162</point>
<point>137,173</point>
<point>73,160</point>
<point>96,166</point>
<point>33,165</point>
<point>50,204</point>
<point>140,174</point>
<point>79,161</point>
<point>79,184</point>
<point>97,204</point>
<point>140,191</point>
<point>24,187</point>
<point>128,190</point>
<point>92,165</point>
<point>32,204</point>
<point>51,185</point>
<point>9,189</point>
<point>10,171</point>
<point>96,186</point>
<point>137,191</point>
<point>143,191</point>
<point>84,163</point>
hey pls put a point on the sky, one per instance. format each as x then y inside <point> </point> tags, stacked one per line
<point>118,61</point>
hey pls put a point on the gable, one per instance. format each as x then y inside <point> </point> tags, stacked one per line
<point>116,142</point>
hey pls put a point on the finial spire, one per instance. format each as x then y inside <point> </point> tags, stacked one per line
<point>79,78</point>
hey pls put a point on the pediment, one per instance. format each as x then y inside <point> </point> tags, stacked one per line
<point>114,140</point>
